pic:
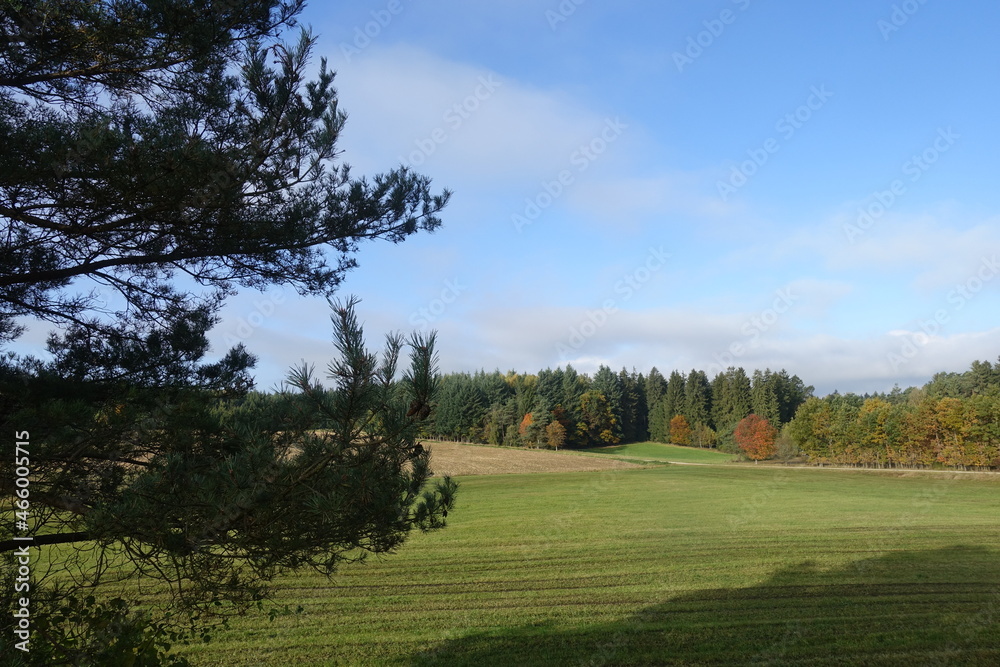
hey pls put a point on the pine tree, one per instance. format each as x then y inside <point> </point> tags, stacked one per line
<point>146,141</point>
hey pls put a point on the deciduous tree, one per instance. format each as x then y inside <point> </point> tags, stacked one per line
<point>555,434</point>
<point>755,437</point>
<point>680,431</point>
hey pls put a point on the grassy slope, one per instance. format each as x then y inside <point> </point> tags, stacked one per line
<point>680,563</point>
<point>656,450</point>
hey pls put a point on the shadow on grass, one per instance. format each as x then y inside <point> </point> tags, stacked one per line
<point>908,608</point>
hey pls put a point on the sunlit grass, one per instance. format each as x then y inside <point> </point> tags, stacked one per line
<point>683,564</point>
<point>659,451</point>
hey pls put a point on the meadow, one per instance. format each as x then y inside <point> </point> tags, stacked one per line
<point>670,564</point>
<point>655,451</point>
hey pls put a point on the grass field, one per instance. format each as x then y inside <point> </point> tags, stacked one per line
<point>665,565</point>
<point>658,451</point>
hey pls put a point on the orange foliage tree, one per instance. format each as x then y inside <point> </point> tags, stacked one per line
<point>680,431</point>
<point>755,436</point>
<point>525,423</point>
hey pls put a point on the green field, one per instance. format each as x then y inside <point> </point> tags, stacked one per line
<point>673,564</point>
<point>658,451</point>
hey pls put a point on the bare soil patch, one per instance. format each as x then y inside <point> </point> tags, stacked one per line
<point>448,458</point>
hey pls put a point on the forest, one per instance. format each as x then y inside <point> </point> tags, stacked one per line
<point>952,421</point>
<point>565,408</point>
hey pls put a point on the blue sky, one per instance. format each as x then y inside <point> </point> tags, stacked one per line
<point>781,184</point>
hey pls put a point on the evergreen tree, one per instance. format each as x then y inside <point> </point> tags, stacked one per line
<point>659,422</point>
<point>168,486</point>
<point>635,420</point>
<point>549,387</point>
<point>524,387</point>
<point>461,409</point>
<point>731,402</point>
<point>764,396</point>
<point>493,387</point>
<point>145,141</point>
<point>697,399</point>
<point>597,424</point>
<point>673,398</point>
<point>656,387</point>
<point>609,385</point>
<point>792,392</point>
<point>574,386</point>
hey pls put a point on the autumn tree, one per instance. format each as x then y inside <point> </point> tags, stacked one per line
<point>524,427</point>
<point>680,431</point>
<point>755,437</point>
<point>555,434</point>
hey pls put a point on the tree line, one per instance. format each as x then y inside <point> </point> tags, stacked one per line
<point>953,421</point>
<point>565,408</point>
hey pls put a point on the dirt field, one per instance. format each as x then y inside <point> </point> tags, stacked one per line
<point>448,458</point>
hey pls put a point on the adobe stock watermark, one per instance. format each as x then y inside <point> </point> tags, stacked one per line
<point>365,34</point>
<point>21,554</point>
<point>426,316</point>
<point>625,288</point>
<point>580,161</point>
<point>913,169</point>
<point>900,16</point>
<point>454,117</point>
<point>263,309</point>
<point>698,43</point>
<point>561,14</point>
<point>786,127</point>
<point>753,329</point>
<point>958,298</point>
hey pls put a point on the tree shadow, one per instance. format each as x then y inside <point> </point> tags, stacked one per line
<point>938,607</point>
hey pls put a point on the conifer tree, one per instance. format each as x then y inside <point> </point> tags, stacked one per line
<point>145,142</point>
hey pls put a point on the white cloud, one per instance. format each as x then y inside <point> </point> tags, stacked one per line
<point>443,116</point>
<point>630,201</point>
<point>934,253</point>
